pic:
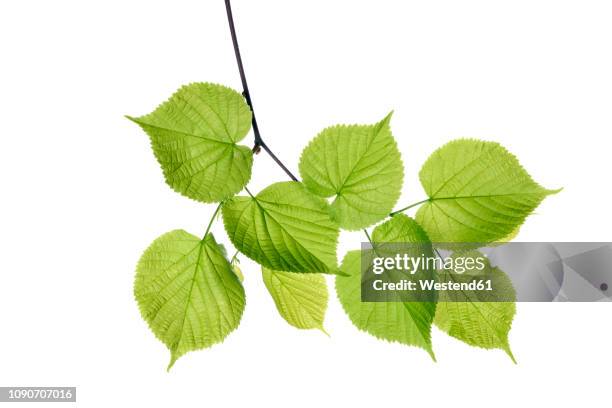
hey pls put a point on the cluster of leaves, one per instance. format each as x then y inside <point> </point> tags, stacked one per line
<point>191,294</point>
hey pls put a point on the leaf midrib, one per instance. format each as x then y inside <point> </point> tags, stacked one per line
<point>431,199</point>
<point>141,122</point>
<point>193,279</point>
<point>365,152</point>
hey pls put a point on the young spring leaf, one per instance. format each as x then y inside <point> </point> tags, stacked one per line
<point>301,298</point>
<point>478,318</point>
<point>360,166</point>
<point>194,136</point>
<point>187,292</point>
<point>478,192</point>
<point>408,323</point>
<point>237,269</point>
<point>284,228</point>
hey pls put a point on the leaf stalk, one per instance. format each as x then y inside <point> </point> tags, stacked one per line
<point>212,219</point>
<point>408,207</point>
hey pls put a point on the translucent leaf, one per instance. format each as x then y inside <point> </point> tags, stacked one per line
<point>408,323</point>
<point>399,229</point>
<point>478,192</point>
<point>194,136</point>
<point>187,292</point>
<point>360,166</point>
<point>478,318</point>
<point>284,228</point>
<point>301,298</point>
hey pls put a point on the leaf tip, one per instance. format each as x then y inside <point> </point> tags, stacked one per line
<point>508,351</point>
<point>173,359</point>
<point>431,354</point>
<point>387,118</point>
<point>131,119</point>
<point>341,273</point>
<point>324,331</point>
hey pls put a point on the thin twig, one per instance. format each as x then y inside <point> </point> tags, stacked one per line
<point>277,160</point>
<point>368,235</point>
<point>247,95</point>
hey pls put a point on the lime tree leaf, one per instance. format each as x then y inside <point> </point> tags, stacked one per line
<point>478,318</point>
<point>284,228</point>
<point>360,166</point>
<point>194,136</point>
<point>408,323</point>
<point>478,192</point>
<point>187,293</point>
<point>301,298</point>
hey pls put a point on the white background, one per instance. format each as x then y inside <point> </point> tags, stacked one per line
<point>82,195</point>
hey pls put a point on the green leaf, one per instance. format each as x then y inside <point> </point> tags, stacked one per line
<point>187,292</point>
<point>408,323</point>
<point>478,192</point>
<point>301,298</point>
<point>284,228</point>
<point>194,136</point>
<point>360,166</point>
<point>478,318</point>
<point>399,229</point>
